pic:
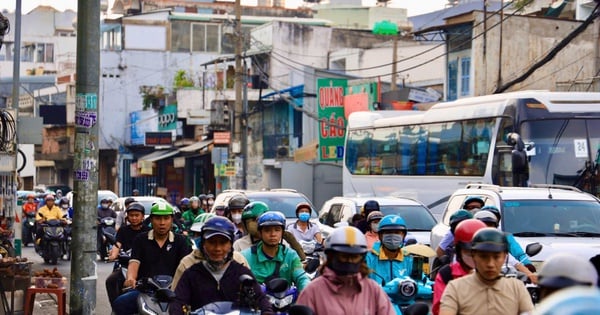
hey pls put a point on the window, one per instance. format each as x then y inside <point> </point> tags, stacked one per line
<point>452,81</point>
<point>465,75</point>
<point>111,38</point>
<point>180,36</point>
<point>37,52</point>
<point>205,37</point>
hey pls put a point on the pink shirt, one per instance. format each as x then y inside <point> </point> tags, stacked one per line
<point>372,237</point>
<point>439,286</point>
<point>351,295</point>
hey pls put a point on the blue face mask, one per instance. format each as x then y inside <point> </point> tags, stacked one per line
<point>392,241</point>
<point>304,217</point>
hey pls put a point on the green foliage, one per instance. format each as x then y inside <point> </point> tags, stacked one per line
<point>520,4</point>
<point>152,96</point>
<point>182,80</point>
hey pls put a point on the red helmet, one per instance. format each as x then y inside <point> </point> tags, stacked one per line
<point>465,230</point>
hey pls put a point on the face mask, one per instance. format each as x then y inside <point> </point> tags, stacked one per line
<point>374,227</point>
<point>65,206</point>
<point>392,241</point>
<point>104,205</point>
<point>304,217</point>
<point>211,203</point>
<point>344,268</point>
<point>236,218</point>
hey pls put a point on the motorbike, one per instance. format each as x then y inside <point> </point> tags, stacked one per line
<point>511,272</point>
<point>52,241</point>
<point>68,239</point>
<point>155,295</point>
<point>247,305</point>
<point>314,257</point>
<point>29,231</point>
<point>280,294</point>
<point>108,233</point>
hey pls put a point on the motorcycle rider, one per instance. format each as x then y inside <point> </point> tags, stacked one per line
<point>303,229</point>
<point>125,236</point>
<point>562,271</point>
<point>190,214</point>
<point>103,212</point>
<point>464,261</point>
<point>486,289</point>
<point>210,201</point>
<point>29,207</point>
<point>66,210</point>
<point>269,258</point>
<point>571,301</point>
<point>368,207</point>
<point>235,207</point>
<point>47,212</point>
<point>373,222</point>
<point>216,277</point>
<point>343,287</point>
<point>122,215</point>
<point>203,204</point>
<point>445,246</point>
<point>473,203</point>
<point>156,252</point>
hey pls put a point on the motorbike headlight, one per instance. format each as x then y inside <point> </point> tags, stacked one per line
<point>281,303</point>
<point>148,310</point>
<point>407,288</point>
<point>109,221</point>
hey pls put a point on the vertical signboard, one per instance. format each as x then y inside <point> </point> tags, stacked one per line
<point>332,123</point>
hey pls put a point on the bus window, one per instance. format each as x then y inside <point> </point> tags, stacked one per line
<point>476,145</point>
<point>358,151</point>
<point>385,143</point>
<point>450,136</point>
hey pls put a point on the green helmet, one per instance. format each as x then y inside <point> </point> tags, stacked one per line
<point>254,209</point>
<point>457,217</point>
<point>489,240</point>
<point>161,208</point>
<point>199,221</point>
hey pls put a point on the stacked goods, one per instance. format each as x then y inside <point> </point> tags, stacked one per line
<point>47,278</point>
<point>15,273</point>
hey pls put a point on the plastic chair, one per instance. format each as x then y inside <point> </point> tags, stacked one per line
<point>61,298</point>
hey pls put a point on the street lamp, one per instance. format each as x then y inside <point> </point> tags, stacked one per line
<point>388,28</point>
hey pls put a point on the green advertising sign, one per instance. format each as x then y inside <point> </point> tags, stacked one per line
<point>332,123</point>
<point>167,118</point>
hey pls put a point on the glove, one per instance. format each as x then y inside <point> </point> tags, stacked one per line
<point>531,267</point>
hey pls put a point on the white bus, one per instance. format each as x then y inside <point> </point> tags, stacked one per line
<point>429,154</point>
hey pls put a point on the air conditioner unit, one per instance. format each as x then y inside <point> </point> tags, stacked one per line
<point>283,151</point>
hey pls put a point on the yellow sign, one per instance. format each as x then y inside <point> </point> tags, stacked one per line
<point>307,152</point>
<point>230,171</point>
<point>145,167</point>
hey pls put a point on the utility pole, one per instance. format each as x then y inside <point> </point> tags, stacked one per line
<point>85,165</point>
<point>239,73</point>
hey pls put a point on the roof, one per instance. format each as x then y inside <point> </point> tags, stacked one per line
<point>436,18</point>
<point>383,201</point>
<point>231,57</point>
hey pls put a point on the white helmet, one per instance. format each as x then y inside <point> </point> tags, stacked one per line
<point>571,301</point>
<point>346,239</point>
<point>563,270</point>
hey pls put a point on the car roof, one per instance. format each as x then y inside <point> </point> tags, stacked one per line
<point>531,193</point>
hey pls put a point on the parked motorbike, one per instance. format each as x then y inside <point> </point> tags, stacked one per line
<point>108,233</point>
<point>29,231</point>
<point>52,242</point>
<point>155,295</point>
<point>247,305</point>
<point>511,272</point>
<point>280,294</point>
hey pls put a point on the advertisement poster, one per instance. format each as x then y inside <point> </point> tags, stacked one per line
<point>332,123</point>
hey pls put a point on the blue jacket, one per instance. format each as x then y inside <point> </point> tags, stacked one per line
<point>387,269</point>
<point>516,251</point>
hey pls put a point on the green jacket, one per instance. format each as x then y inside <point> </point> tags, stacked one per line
<point>188,217</point>
<point>290,268</point>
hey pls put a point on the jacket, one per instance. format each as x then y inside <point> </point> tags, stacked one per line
<point>198,287</point>
<point>516,250</point>
<point>438,288</point>
<point>195,257</point>
<point>386,269</point>
<point>188,217</point>
<point>46,214</point>
<point>290,269</point>
<point>349,295</point>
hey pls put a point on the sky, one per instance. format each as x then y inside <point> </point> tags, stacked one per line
<point>414,7</point>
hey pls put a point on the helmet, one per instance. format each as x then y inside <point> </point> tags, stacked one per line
<point>494,210</point>
<point>200,220</point>
<point>563,270</point>
<point>571,301</point>
<point>470,199</point>
<point>218,226</point>
<point>49,197</point>
<point>30,196</point>
<point>105,200</point>
<point>128,201</point>
<point>135,206</point>
<point>271,218</point>
<point>489,240</point>
<point>391,222</point>
<point>64,200</point>
<point>254,209</point>
<point>371,205</point>
<point>161,208</point>
<point>136,191</point>
<point>194,198</point>
<point>458,216</point>
<point>210,196</point>
<point>184,201</point>
<point>375,215</point>
<point>303,205</point>
<point>486,217</point>
<point>346,239</point>
<point>202,196</point>
<point>238,201</point>
<point>465,230</point>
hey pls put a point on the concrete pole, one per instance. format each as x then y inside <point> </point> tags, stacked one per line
<point>239,72</point>
<point>85,165</point>
<point>15,106</point>
<point>394,63</point>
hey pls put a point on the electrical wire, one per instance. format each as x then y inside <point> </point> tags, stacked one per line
<point>7,131</point>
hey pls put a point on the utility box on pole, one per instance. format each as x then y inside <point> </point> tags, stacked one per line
<point>85,166</point>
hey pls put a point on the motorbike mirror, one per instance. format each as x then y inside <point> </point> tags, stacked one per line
<point>417,309</point>
<point>297,309</point>
<point>165,295</point>
<point>246,280</point>
<point>312,265</point>
<point>533,249</point>
<point>277,285</point>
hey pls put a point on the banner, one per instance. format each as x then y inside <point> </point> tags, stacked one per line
<point>332,123</point>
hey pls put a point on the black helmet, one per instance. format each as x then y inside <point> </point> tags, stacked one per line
<point>64,200</point>
<point>371,205</point>
<point>489,240</point>
<point>128,201</point>
<point>135,206</point>
<point>238,201</point>
<point>202,197</point>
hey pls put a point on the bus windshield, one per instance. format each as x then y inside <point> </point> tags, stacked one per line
<point>562,148</point>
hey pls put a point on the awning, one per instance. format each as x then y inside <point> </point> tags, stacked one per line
<point>196,146</point>
<point>231,57</point>
<point>158,155</point>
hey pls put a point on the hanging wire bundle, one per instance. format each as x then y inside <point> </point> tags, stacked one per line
<point>7,132</point>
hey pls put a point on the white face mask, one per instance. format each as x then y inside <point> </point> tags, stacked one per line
<point>374,227</point>
<point>236,218</point>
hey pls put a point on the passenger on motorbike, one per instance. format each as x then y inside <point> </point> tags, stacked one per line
<point>189,215</point>
<point>464,261</point>
<point>445,247</point>
<point>67,211</point>
<point>156,252</point>
<point>269,258</point>
<point>48,212</point>
<point>373,224</point>
<point>303,229</point>
<point>486,289</point>
<point>122,215</point>
<point>235,207</point>
<point>203,204</point>
<point>343,287</point>
<point>368,207</point>
<point>215,277</point>
<point>103,212</point>
<point>196,255</point>
<point>28,208</point>
<point>561,271</point>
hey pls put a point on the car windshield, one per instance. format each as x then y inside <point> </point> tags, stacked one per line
<point>283,203</point>
<point>546,217</point>
<point>416,217</point>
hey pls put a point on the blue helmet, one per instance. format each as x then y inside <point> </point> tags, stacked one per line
<point>218,226</point>
<point>271,218</point>
<point>494,210</point>
<point>391,222</point>
<point>185,202</point>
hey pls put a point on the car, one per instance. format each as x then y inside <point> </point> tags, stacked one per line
<point>102,194</point>
<point>65,189</point>
<point>119,204</point>
<point>419,219</point>
<point>563,219</point>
